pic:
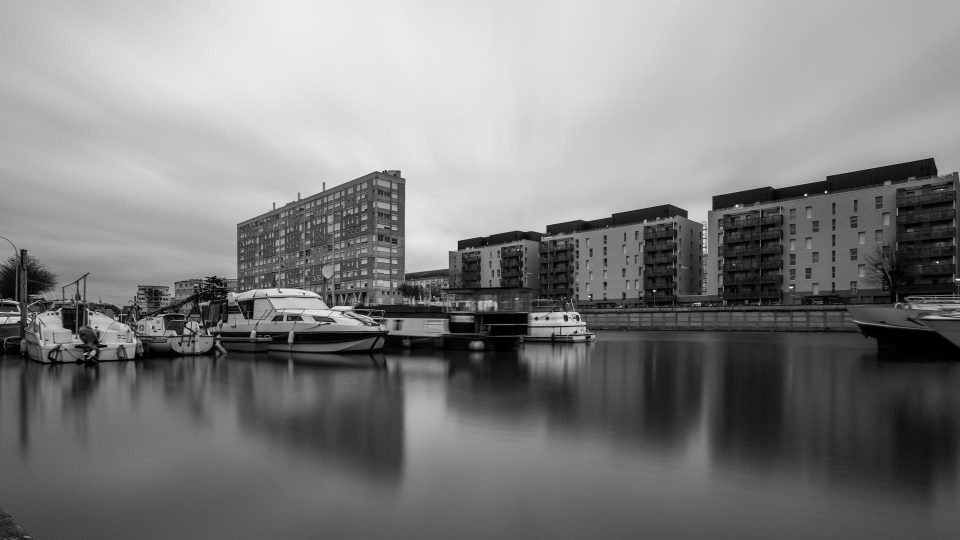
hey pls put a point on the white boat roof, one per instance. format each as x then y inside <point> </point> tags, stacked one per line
<point>275,293</point>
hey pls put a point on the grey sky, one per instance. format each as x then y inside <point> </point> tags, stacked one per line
<point>134,136</point>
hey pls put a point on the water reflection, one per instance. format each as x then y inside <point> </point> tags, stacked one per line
<point>352,419</point>
<point>817,408</point>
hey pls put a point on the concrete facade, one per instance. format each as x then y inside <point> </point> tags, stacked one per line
<point>502,260</point>
<point>814,242</point>
<point>354,230</point>
<point>152,297</point>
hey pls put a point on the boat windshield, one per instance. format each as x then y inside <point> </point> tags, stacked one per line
<point>298,302</point>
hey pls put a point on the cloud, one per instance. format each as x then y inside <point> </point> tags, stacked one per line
<point>135,137</point>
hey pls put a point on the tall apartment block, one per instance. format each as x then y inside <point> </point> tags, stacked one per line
<point>650,256</point>
<point>814,242</point>
<point>152,297</point>
<point>507,259</point>
<point>345,243</point>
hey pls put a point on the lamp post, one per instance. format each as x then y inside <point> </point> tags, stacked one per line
<point>654,298</point>
<point>16,274</point>
<point>956,286</point>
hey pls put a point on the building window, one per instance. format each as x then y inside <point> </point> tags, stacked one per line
<point>808,212</point>
<point>793,274</point>
<point>816,257</point>
<point>861,238</point>
<point>878,236</point>
<point>793,259</point>
<point>793,228</point>
<point>815,288</point>
<point>853,222</point>
<point>816,226</point>
<point>793,245</point>
<point>604,249</point>
<point>833,224</point>
<point>833,208</point>
<point>855,205</point>
<point>886,218</point>
<point>604,239</point>
<point>833,271</point>
<point>793,213</point>
<point>590,252</point>
<point>623,272</point>
<point>833,240</point>
<point>833,256</point>
<point>878,201</point>
<point>853,254</point>
<point>808,243</point>
<point>853,284</point>
<point>808,273</point>
<point>861,270</point>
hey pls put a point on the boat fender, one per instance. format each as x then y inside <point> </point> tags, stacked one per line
<point>139,348</point>
<point>23,346</point>
<point>121,352</point>
<point>475,345</point>
<point>253,334</point>
<point>219,347</point>
<point>290,337</point>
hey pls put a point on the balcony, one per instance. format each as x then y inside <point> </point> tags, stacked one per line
<point>654,233</point>
<point>659,246</point>
<point>738,266</point>
<point>737,237</point>
<point>738,251</point>
<point>933,197</point>
<point>768,249</point>
<point>935,269</point>
<point>670,271</point>
<point>653,259</point>
<point>926,216</point>
<point>930,253</point>
<point>927,234</point>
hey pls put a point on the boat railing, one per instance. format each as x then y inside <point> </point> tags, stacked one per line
<point>933,299</point>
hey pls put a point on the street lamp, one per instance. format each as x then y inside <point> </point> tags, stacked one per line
<point>16,272</point>
<point>654,298</point>
<point>956,286</point>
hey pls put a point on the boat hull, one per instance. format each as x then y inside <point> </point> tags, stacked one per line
<point>316,342</point>
<point>47,353</point>
<point>899,329</point>
<point>191,344</point>
<point>946,328</point>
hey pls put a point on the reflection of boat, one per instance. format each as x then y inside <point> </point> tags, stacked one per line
<point>330,359</point>
<point>9,323</point>
<point>946,325</point>
<point>299,321</point>
<point>898,326</point>
<point>172,332</point>
<point>73,333</point>
<point>245,344</point>
<point>550,320</point>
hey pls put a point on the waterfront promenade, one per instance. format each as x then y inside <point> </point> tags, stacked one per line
<point>824,318</point>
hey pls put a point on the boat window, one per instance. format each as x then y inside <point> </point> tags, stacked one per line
<point>566,318</point>
<point>324,320</point>
<point>299,302</point>
<point>294,318</point>
<point>536,318</point>
<point>277,318</point>
<point>5,308</point>
<point>398,324</point>
<point>576,317</point>
<point>246,308</point>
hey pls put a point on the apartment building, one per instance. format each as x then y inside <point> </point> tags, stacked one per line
<point>345,243</point>
<point>152,297</point>
<point>817,242</point>
<point>646,256</point>
<point>509,259</point>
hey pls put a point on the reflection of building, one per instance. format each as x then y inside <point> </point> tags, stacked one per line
<point>346,243</point>
<point>152,297</point>
<point>815,240</point>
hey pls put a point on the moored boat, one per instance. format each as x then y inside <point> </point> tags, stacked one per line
<point>9,323</point>
<point>898,326</point>
<point>947,325</point>
<point>557,322</point>
<point>298,321</point>
<point>74,333</point>
<point>172,332</point>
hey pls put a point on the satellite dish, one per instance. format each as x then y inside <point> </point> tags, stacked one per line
<point>326,271</point>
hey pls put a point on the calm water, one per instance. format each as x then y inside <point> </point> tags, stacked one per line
<point>652,435</point>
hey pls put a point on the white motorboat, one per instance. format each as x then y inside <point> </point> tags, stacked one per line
<point>74,333</point>
<point>9,323</point>
<point>946,324</point>
<point>172,332</point>
<point>898,326</point>
<point>557,322</point>
<point>299,321</point>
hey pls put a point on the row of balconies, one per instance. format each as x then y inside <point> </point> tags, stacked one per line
<point>731,223</point>
<point>767,278</point>
<point>934,269</point>
<point>655,259</point>
<point>925,198</point>
<point>925,216</point>
<point>653,233</point>
<point>668,271</point>
<point>737,251</point>
<point>927,234</point>
<point>651,247</point>
<point>930,253</point>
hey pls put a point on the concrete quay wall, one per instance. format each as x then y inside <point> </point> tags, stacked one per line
<point>829,318</point>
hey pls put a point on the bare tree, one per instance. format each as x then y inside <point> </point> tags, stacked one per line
<point>889,269</point>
